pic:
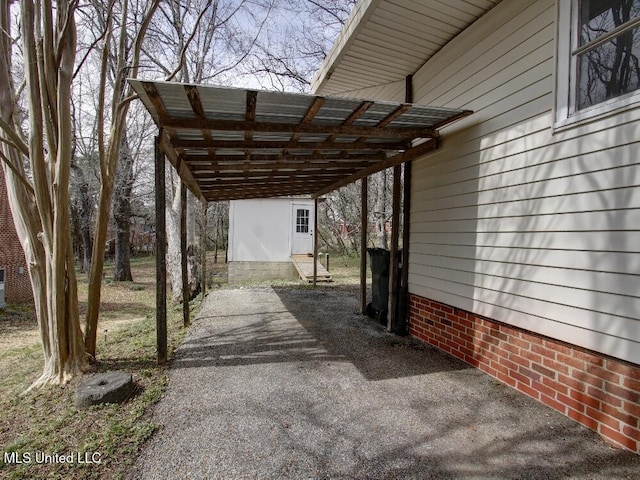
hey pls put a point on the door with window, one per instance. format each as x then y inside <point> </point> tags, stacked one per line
<point>302,238</point>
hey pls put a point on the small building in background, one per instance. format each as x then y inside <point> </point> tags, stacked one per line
<point>15,285</point>
<point>265,233</point>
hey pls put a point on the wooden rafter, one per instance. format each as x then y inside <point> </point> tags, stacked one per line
<point>286,145</point>
<point>405,156</point>
<point>203,170</point>
<point>312,111</point>
<point>244,179</point>
<point>165,145</point>
<point>250,111</point>
<point>196,107</point>
<point>284,157</point>
<point>309,128</point>
<point>272,151</point>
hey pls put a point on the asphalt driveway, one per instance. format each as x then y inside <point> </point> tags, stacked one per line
<point>293,383</point>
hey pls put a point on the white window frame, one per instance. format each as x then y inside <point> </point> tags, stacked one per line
<point>566,114</point>
<point>302,220</point>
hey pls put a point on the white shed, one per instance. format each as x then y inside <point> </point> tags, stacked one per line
<point>265,233</point>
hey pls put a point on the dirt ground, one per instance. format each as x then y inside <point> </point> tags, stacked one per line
<point>275,383</point>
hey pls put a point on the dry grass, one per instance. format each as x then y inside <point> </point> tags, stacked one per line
<point>46,421</point>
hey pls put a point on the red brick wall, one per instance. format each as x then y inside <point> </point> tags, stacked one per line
<point>597,391</point>
<point>17,282</point>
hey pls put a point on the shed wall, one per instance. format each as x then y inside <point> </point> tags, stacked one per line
<point>260,230</point>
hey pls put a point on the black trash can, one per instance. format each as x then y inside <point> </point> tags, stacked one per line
<point>380,260</point>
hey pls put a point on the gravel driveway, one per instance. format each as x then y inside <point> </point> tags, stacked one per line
<point>293,383</point>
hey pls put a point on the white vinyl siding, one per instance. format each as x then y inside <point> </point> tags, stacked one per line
<point>513,221</point>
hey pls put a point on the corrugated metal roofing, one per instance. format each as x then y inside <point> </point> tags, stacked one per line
<point>383,41</point>
<point>230,143</point>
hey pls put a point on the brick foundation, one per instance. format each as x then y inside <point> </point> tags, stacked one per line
<point>17,281</point>
<point>597,391</point>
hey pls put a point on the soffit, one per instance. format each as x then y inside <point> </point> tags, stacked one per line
<point>383,41</point>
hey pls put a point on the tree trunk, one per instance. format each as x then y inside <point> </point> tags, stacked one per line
<point>85,228</point>
<point>380,209</point>
<point>126,66</point>
<point>122,214</point>
<point>41,211</point>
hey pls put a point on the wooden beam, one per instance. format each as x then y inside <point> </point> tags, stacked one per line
<point>364,227</point>
<point>394,115</point>
<point>312,111</point>
<point>255,158</point>
<point>303,166</point>
<point>357,113</point>
<point>309,128</point>
<point>216,195</point>
<point>241,145</point>
<point>405,156</point>
<point>251,103</point>
<point>180,166</point>
<point>154,97</point>
<point>268,179</point>
<point>464,113</point>
<point>250,111</point>
<point>194,100</point>
<point>161,252</point>
<point>183,254</point>
<point>273,189</point>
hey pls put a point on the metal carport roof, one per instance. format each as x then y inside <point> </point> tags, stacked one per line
<point>229,143</point>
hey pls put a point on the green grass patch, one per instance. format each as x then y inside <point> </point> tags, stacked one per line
<point>103,441</point>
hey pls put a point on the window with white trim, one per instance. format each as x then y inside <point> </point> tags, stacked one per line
<point>302,220</point>
<point>598,68</point>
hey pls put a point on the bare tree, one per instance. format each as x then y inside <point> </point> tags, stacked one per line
<point>208,41</point>
<point>127,41</point>
<point>291,49</point>
<point>40,200</point>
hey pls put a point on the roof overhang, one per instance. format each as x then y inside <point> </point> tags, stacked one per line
<point>383,41</point>
<point>231,143</point>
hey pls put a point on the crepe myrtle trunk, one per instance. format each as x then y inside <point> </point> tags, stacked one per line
<point>40,202</point>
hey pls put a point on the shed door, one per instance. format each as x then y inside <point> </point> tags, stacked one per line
<point>302,238</point>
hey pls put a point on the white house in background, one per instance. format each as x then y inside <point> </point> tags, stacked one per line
<point>524,253</point>
<point>265,233</point>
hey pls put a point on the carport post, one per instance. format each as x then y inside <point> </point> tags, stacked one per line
<point>203,249</point>
<point>364,226</point>
<point>161,252</point>
<point>395,229</point>
<point>183,254</point>
<point>315,241</point>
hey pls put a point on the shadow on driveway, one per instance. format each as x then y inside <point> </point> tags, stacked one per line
<point>293,383</point>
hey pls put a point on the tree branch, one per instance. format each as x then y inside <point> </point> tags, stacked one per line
<point>183,52</point>
<point>19,175</point>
